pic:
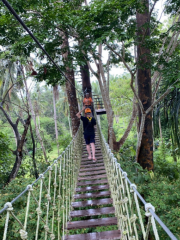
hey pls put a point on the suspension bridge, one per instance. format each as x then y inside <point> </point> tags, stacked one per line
<point>74,194</point>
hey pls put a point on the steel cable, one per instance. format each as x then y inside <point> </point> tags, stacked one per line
<point>6,3</point>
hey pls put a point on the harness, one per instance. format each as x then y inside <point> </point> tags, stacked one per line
<point>89,118</point>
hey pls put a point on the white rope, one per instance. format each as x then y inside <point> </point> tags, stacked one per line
<point>126,201</point>
<point>23,234</point>
<point>58,193</point>
<point>10,208</point>
<point>38,210</point>
<point>30,189</point>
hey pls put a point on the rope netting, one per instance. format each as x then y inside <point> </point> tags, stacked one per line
<point>50,195</point>
<point>128,201</point>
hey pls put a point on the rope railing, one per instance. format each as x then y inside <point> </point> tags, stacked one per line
<point>134,222</point>
<point>51,194</point>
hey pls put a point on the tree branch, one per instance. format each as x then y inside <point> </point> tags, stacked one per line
<point>124,62</point>
<point>161,97</point>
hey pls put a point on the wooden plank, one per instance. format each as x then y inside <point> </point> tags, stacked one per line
<point>87,160</point>
<point>98,155</point>
<point>111,235</point>
<point>92,169</point>
<point>96,148</point>
<point>92,223</point>
<point>92,177</point>
<point>90,162</point>
<point>92,173</point>
<point>85,154</point>
<point>92,195</point>
<point>97,143</point>
<point>85,165</point>
<point>93,212</point>
<point>87,203</point>
<point>92,188</point>
<point>86,183</point>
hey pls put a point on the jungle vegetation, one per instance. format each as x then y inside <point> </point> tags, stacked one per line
<point>87,40</point>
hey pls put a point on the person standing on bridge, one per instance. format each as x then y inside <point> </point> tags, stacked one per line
<point>89,134</point>
<point>87,102</point>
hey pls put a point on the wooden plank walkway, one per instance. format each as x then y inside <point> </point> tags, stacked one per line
<point>92,185</point>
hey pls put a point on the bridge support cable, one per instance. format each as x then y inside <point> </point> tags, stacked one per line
<point>127,200</point>
<point>52,194</point>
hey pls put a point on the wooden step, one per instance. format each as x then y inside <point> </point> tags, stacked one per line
<point>85,158</point>
<point>88,203</point>
<point>93,212</point>
<point>92,188</point>
<point>96,152</point>
<point>87,183</point>
<point>97,146</point>
<point>91,163</point>
<point>111,235</point>
<point>92,195</point>
<point>84,165</point>
<point>87,161</point>
<point>97,143</point>
<point>92,169</point>
<point>92,223</point>
<point>92,177</point>
<point>97,149</point>
<point>92,173</point>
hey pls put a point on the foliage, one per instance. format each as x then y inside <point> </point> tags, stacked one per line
<point>121,95</point>
<point>13,190</point>
<point>102,22</point>
<point>6,158</point>
<point>160,188</point>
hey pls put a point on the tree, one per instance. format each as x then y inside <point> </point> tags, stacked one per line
<point>55,97</point>
<point>20,142</point>
<point>145,156</point>
<point>70,85</point>
<point>34,119</point>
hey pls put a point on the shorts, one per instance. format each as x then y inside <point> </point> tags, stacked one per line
<point>89,139</point>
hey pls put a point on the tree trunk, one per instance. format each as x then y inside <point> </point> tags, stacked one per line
<point>18,152</point>
<point>117,145</point>
<point>55,116</point>
<point>33,153</point>
<point>20,142</point>
<point>145,157</point>
<point>160,129</point>
<point>86,83</point>
<point>70,89</point>
<point>34,119</point>
<point>69,125</point>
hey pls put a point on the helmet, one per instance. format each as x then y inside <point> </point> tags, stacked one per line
<point>87,110</point>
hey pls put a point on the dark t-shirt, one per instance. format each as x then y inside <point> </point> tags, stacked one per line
<point>88,125</point>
